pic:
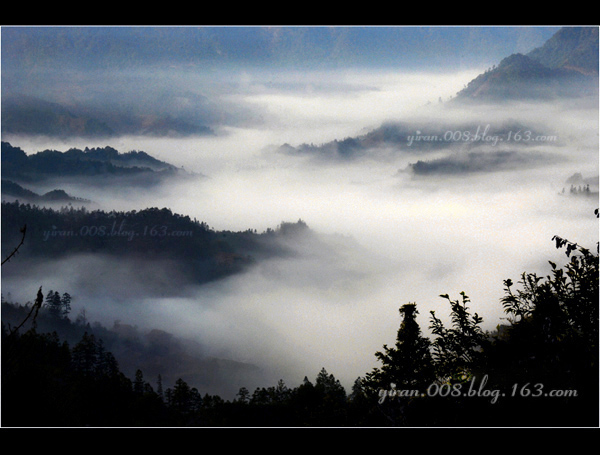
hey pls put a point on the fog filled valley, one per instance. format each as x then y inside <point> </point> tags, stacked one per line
<point>310,206</point>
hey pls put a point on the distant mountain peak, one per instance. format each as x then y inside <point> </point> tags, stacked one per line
<point>523,66</point>
<point>573,48</point>
<point>566,65</point>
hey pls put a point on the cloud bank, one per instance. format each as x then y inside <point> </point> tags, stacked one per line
<point>392,239</point>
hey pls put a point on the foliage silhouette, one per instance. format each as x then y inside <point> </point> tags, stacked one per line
<point>16,250</point>
<point>549,345</point>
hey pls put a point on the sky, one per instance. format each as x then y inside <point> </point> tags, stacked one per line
<point>412,238</point>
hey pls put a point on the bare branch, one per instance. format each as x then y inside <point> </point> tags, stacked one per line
<point>23,231</point>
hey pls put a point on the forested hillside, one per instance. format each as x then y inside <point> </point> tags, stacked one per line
<point>540,369</point>
<point>393,139</point>
<point>89,163</point>
<point>565,66</point>
<point>168,239</point>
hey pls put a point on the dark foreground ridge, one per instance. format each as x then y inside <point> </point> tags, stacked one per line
<point>541,369</point>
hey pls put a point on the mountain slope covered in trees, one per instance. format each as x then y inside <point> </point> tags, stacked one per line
<point>572,48</point>
<point>565,66</point>
<point>15,191</point>
<point>133,166</point>
<point>541,369</point>
<point>167,240</point>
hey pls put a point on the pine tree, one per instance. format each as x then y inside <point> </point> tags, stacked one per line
<point>138,383</point>
<point>182,396</point>
<point>243,395</point>
<point>280,393</point>
<point>159,388</point>
<point>85,354</point>
<point>330,386</point>
<point>65,304</point>
<point>52,303</point>
<point>330,407</point>
<point>408,364</point>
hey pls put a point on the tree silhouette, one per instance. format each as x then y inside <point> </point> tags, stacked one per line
<point>409,363</point>
<point>456,349</point>
<point>406,367</point>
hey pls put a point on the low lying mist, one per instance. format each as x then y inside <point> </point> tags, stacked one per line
<point>392,236</point>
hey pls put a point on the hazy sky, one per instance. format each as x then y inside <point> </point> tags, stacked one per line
<point>91,48</point>
<point>235,76</point>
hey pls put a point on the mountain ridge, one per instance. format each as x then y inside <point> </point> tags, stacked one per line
<point>14,190</point>
<point>116,70</point>
<point>48,164</point>
<point>31,115</point>
<point>570,48</point>
<point>565,66</point>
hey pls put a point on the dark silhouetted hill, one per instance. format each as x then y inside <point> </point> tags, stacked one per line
<point>154,240</point>
<point>89,163</point>
<point>17,192</point>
